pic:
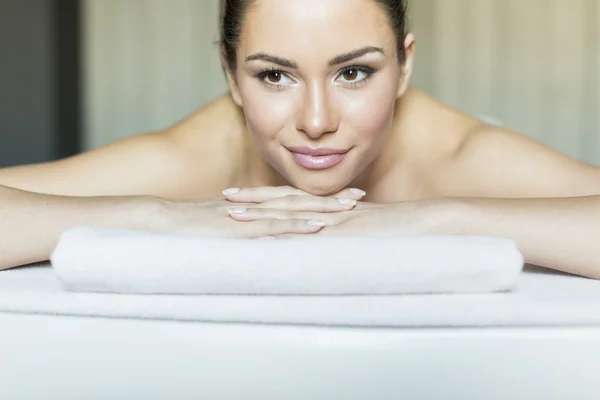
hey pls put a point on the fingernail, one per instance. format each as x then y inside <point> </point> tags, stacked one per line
<point>358,192</point>
<point>237,210</point>
<point>230,191</point>
<point>314,222</point>
<point>266,237</point>
<point>350,202</point>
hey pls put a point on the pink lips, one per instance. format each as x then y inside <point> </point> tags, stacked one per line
<point>316,159</point>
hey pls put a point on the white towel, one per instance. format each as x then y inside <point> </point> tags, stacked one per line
<point>90,259</point>
<point>542,298</point>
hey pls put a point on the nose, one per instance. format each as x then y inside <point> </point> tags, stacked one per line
<point>317,116</point>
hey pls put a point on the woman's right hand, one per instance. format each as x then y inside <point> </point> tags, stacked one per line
<point>212,218</point>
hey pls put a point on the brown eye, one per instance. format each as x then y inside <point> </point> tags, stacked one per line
<point>274,77</point>
<point>350,74</point>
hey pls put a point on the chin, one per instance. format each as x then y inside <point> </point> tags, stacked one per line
<point>318,183</point>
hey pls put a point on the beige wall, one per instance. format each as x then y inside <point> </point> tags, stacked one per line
<point>148,64</point>
<point>532,64</point>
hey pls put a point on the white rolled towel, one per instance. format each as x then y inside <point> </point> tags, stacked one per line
<point>93,259</point>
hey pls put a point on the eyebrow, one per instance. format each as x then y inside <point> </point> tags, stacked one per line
<point>342,58</point>
<point>275,60</point>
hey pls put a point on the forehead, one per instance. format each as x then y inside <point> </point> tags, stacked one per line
<point>320,27</point>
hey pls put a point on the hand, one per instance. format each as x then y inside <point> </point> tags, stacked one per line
<point>406,218</point>
<point>212,218</point>
<point>285,202</point>
<point>416,217</point>
<point>267,193</point>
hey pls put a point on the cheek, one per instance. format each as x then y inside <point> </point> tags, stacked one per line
<point>370,112</point>
<point>266,112</point>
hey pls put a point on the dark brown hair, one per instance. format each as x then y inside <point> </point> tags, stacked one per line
<point>234,11</point>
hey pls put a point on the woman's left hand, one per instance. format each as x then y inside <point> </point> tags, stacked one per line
<point>404,218</point>
<point>414,217</point>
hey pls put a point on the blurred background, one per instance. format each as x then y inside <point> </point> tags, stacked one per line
<point>77,74</point>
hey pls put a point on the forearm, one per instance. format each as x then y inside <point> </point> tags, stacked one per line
<point>557,233</point>
<point>31,223</point>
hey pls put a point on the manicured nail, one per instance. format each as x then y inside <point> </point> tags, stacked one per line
<point>230,191</point>
<point>237,210</point>
<point>348,202</point>
<point>358,192</point>
<point>314,222</point>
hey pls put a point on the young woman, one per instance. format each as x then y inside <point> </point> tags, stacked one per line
<point>321,134</point>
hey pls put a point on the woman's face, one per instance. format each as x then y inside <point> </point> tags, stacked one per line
<point>318,81</point>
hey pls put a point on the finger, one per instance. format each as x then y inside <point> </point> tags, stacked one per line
<point>274,227</point>
<point>260,194</point>
<point>328,230</point>
<point>255,214</point>
<point>348,228</point>
<point>310,203</point>
<point>288,236</point>
<point>351,193</point>
<point>266,193</point>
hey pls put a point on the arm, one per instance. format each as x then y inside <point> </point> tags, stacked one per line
<point>186,161</point>
<point>557,233</point>
<point>147,164</point>
<point>31,223</point>
<point>112,186</point>
<point>38,202</point>
<point>508,185</point>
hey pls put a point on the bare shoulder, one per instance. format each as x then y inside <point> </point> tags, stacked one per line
<point>212,146</point>
<point>496,162</point>
<point>218,122</point>
<point>188,160</point>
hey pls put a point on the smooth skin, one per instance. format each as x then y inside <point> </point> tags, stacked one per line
<point>426,168</point>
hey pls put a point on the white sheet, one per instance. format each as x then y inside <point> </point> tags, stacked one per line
<point>541,299</point>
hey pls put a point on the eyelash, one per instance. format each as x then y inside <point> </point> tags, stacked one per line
<point>360,68</point>
<point>265,72</point>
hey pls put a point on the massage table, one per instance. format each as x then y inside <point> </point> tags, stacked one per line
<point>63,357</point>
<point>542,343</point>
